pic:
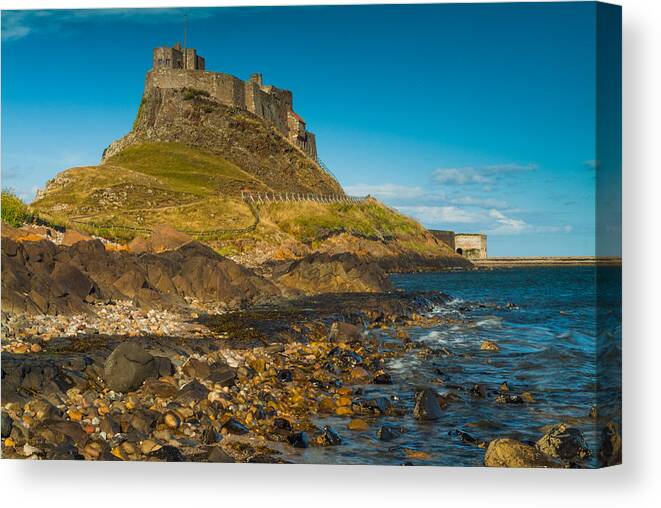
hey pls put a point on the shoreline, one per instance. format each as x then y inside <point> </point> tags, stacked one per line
<point>252,385</point>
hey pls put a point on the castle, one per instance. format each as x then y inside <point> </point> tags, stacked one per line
<point>177,67</point>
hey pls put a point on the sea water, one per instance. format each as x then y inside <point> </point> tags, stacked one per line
<point>559,333</point>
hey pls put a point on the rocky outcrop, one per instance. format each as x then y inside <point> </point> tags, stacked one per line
<point>245,139</point>
<point>44,278</point>
<point>564,443</point>
<point>506,452</point>
<point>343,273</point>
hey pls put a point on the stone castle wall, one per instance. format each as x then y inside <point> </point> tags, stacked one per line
<point>269,103</point>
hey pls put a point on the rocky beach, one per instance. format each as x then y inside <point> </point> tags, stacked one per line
<point>184,355</point>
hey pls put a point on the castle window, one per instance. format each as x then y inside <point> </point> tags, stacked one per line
<point>160,62</point>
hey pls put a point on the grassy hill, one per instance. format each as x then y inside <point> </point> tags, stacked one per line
<point>186,162</point>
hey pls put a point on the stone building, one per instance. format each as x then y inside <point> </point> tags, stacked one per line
<point>178,67</point>
<point>469,245</point>
<point>177,57</point>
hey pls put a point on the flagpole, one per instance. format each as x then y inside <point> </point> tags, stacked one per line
<point>185,44</point>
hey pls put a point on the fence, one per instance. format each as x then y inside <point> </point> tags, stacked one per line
<point>289,197</point>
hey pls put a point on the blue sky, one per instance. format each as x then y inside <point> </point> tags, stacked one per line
<point>475,118</point>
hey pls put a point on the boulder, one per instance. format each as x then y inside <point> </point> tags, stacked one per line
<point>426,405</point>
<point>344,332</point>
<point>128,366</point>
<point>341,273</point>
<point>565,443</point>
<point>506,452</point>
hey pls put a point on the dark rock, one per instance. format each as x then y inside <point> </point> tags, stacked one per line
<point>565,443</point>
<point>39,277</point>
<point>282,424</point>
<point>6,424</point>
<point>467,438</point>
<point>234,426</point>
<point>210,436</point>
<point>507,398</point>
<point>377,405</point>
<point>478,391</point>
<point>426,405</point>
<point>216,454</point>
<point>382,379</point>
<point>168,453</point>
<point>298,440</point>
<point>128,366</point>
<point>192,393</point>
<point>388,433</point>
<point>222,375</point>
<point>328,437</point>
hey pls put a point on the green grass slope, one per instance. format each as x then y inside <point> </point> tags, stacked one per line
<point>197,191</point>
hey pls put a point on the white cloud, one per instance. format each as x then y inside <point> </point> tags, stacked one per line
<point>478,202</point>
<point>507,225</point>
<point>478,175</point>
<point>441,214</point>
<point>386,191</point>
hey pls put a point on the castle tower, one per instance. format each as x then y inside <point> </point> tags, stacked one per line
<point>176,57</point>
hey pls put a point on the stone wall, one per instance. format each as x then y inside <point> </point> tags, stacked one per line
<point>447,237</point>
<point>177,67</point>
<point>274,105</point>
<point>471,245</point>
